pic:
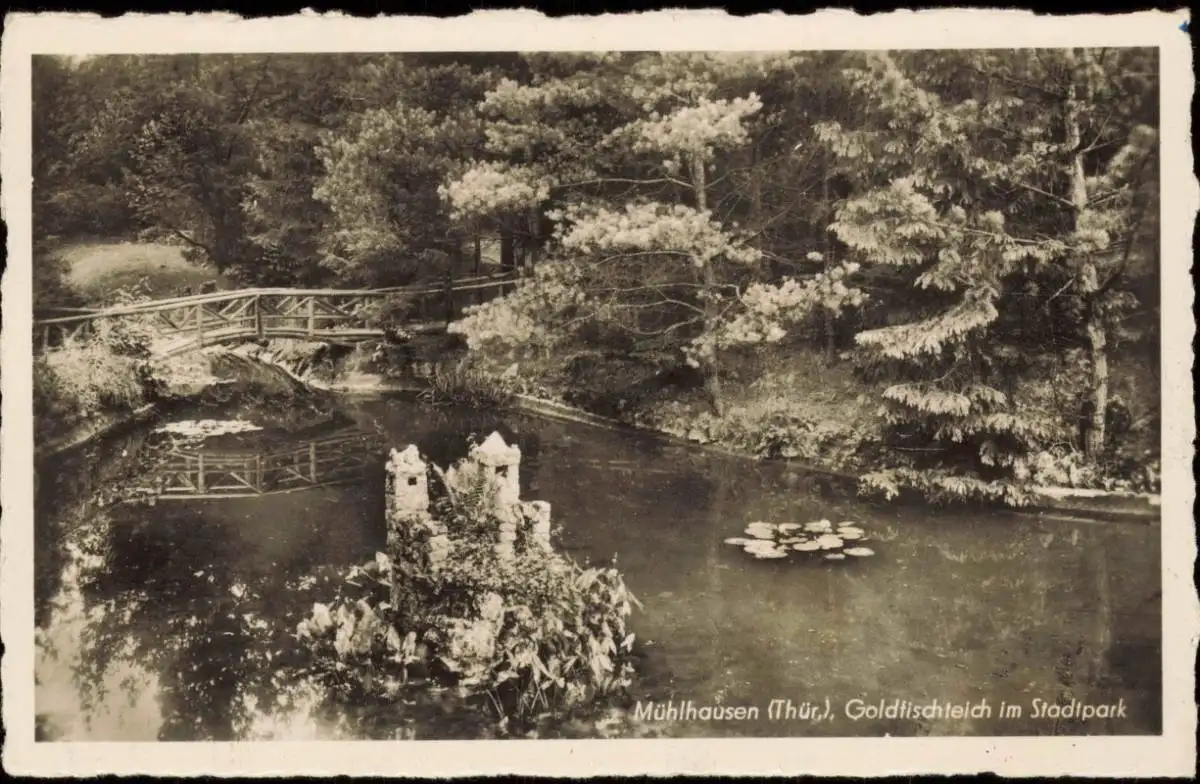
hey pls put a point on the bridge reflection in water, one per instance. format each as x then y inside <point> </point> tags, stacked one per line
<point>208,473</point>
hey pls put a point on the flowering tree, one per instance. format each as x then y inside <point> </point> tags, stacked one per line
<point>634,199</point>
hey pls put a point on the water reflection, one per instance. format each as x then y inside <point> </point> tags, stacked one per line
<point>174,621</point>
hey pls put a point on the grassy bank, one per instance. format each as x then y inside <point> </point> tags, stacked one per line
<point>95,269</point>
<point>794,403</point>
<point>791,405</point>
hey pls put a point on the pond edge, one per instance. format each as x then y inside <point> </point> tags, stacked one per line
<point>1064,503</point>
<point>1078,504</point>
<point>100,426</point>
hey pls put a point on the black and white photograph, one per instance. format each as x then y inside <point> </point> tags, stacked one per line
<point>808,391</point>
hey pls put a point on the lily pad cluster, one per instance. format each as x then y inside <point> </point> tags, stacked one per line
<point>820,538</point>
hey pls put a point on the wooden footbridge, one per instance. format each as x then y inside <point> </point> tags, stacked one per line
<point>184,324</point>
<point>202,474</point>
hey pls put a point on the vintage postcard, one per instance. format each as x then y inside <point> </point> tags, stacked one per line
<point>651,394</point>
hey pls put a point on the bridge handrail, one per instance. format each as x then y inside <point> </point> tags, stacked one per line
<point>460,284</point>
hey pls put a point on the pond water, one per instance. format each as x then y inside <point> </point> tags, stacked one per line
<point>162,621</point>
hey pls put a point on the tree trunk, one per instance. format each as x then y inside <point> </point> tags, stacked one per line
<point>535,248</point>
<point>459,257</point>
<point>1089,288</point>
<point>508,256</point>
<point>755,186</point>
<point>712,379</point>
<point>827,256</point>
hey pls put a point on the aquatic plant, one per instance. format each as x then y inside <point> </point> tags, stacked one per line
<point>519,636</point>
<point>819,537</point>
<point>464,385</point>
<point>78,381</point>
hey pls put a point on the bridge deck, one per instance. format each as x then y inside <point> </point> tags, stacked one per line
<point>183,324</point>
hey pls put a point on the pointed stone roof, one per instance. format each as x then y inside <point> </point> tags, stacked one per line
<point>494,452</point>
<point>406,462</point>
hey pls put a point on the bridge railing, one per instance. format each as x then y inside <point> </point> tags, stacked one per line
<point>208,474</point>
<point>184,323</point>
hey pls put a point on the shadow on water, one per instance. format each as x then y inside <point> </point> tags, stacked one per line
<point>172,618</point>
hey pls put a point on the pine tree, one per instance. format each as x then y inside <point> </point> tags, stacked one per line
<point>995,194</point>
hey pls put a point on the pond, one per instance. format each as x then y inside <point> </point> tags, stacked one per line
<point>161,621</point>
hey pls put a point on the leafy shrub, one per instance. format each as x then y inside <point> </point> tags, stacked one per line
<point>779,430</point>
<point>522,637</point>
<point>463,384</point>
<point>942,487</point>
<point>51,287</point>
<point>388,312</point>
<point>101,371</point>
<point>82,379</point>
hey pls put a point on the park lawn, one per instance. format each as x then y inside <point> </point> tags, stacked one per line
<point>97,268</point>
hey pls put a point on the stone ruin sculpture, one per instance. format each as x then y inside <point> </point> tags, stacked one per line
<point>419,543</point>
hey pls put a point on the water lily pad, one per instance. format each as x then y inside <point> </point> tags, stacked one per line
<point>859,551</point>
<point>847,533</point>
<point>738,540</point>
<point>806,547</point>
<point>792,540</point>
<point>818,526</point>
<point>829,541</point>
<point>761,530</point>
<point>760,544</point>
<point>834,557</point>
<point>769,554</point>
<point>787,528</point>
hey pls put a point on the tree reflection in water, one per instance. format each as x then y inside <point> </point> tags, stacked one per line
<point>175,620</point>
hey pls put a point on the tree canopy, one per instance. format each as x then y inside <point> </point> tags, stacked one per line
<point>964,227</point>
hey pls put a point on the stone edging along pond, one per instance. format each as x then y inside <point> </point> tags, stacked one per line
<point>1052,502</point>
<point>1084,505</point>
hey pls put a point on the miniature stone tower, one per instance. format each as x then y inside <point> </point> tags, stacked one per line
<point>415,537</point>
<point>407,489</point>
<point>502,463</point>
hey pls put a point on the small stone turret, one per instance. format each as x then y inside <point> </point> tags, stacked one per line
<point>503,463</point>
<point>408,493</point>
<point>415,536</point>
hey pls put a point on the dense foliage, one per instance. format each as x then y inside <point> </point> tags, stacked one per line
<point>975,233</point>
<point>526,635</point>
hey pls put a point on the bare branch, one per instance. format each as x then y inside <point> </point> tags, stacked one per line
<point>1047,194</point>
<point>1016,82</point>
<point>189,240</point>
<point>626,180</point>
<point>1064,287</point>
<point>1116,274</point>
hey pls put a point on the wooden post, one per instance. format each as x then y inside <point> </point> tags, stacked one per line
<point>449,303</point>
<point>312,460</point>
<point>258,320</point>
<point>258,473</point>
<point>199,324</point>
<point>312,316</point>
<point>200,473</point>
